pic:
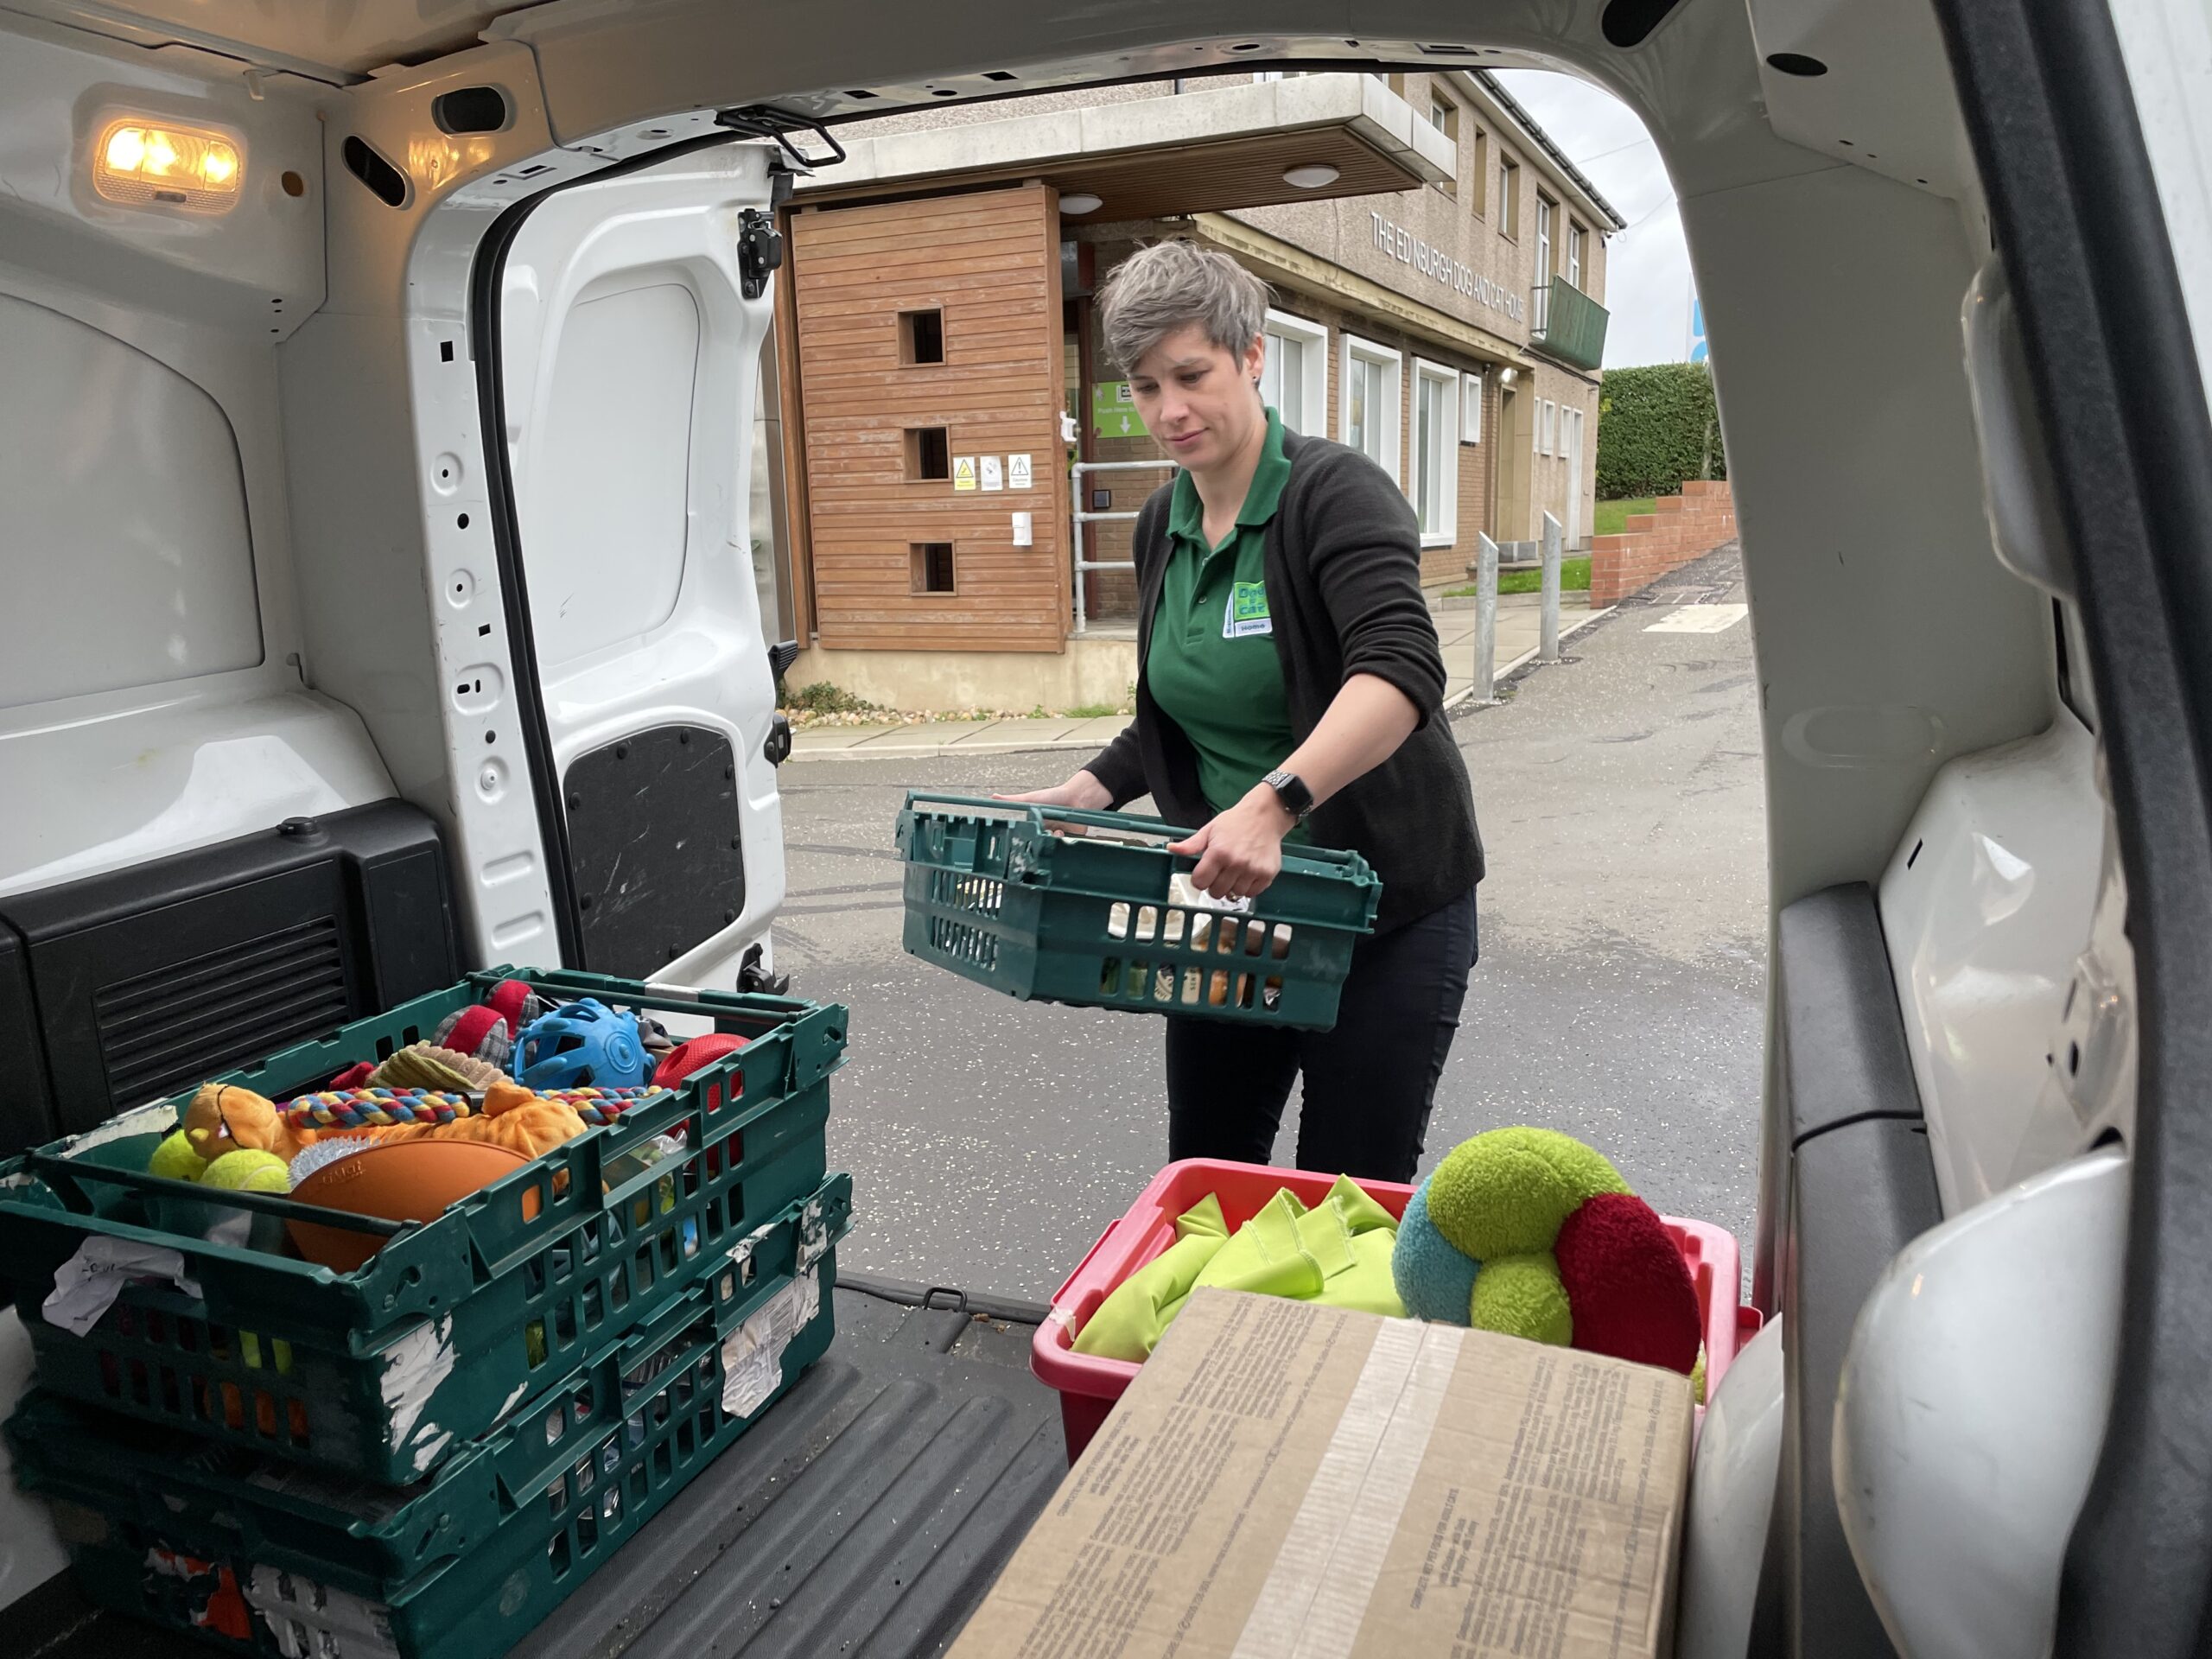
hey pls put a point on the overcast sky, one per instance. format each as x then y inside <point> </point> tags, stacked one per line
<point>1648,267</point>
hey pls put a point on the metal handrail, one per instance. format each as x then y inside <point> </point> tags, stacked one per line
<point>1078,518</point>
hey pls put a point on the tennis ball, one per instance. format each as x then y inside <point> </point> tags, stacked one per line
<point>175,1160</point>
<point>1522,1296</point>
<point>247,1170</point>
<point>1505,1193</point>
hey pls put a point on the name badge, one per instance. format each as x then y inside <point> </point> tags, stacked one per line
<point>1246,614</point>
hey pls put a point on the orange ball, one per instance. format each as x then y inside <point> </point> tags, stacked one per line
<point>400,1180</point>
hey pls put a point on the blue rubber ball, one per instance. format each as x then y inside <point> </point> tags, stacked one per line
<point>583,1045</point>
<point>1435,1280</point>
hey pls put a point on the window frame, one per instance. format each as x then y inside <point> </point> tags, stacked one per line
<point>1508,196</point>
<point>1313,370</point>
<point>1447,378</point>
<point>1450,128</point>
<point>1475,384</point>
<point>1357,349</point>
<point>1578,239</point>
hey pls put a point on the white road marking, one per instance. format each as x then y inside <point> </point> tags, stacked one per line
<point>1700,619</point>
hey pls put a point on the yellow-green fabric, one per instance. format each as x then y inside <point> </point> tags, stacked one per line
<point>1337,1254</point>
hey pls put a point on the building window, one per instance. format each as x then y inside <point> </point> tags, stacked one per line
<point>1544,426</point>
<point>1575,237</point>
<point>928,455</point>
<point>921,337</point>
<point>1470,409</point>
<point>931,566</point>
<point>1444,116</point>
<point>1294,381</point>
<point>1436,453</point>
<point>1369,387</point>
<point>1508,198</point>
<point>1543,293</point>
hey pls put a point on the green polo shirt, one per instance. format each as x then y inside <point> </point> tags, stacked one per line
<point>1212,662</point>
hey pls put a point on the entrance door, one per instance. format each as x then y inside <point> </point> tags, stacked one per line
<point>630,365</point>
<point>932,369</point>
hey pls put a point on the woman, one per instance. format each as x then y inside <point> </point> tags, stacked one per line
<point>1289,687</point>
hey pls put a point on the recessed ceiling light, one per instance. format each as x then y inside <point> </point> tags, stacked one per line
<point>1312,176</point>
<point>1080,201</point>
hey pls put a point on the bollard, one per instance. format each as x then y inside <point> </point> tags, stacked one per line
<point>1485,619</point>
<point>1547,640</point>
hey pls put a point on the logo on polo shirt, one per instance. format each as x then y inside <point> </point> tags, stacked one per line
<point>1246,614</point>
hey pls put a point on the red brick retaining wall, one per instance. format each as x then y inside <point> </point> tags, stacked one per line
<point>1678,529</point>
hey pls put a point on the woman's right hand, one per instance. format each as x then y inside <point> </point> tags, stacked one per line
<point>1082,791</point>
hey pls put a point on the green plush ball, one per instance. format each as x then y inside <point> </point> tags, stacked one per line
<point>175,1160</point>
<point>1506,1192</point>
<point>1522,1296</point>
<point>1697,1378</point>
<point>249,1172</point>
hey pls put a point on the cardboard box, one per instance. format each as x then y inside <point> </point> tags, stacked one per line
<point>1282,1479</point>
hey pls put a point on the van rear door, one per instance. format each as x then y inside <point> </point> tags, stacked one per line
<point>627,316</point>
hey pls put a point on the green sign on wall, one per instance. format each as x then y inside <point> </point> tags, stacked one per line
<point>1114,410</point>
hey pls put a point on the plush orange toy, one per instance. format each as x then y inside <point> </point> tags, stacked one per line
<point>510,1116</point>
<point>224,1117</point>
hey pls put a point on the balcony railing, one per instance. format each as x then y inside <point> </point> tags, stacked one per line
<point>1570,325</point>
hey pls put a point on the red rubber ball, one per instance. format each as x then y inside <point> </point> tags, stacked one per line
<point>686,1057</point>
<point>1627,1284</point>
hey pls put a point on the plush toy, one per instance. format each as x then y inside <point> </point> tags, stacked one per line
<point>583,1045</point>
<point>1529,1232</point>
<point>511,1116</point>
<point>489,1031</point>
<point>224,1117</point>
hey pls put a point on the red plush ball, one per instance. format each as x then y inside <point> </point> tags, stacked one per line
<point>686,1057</point>
<point>1627,1285</point>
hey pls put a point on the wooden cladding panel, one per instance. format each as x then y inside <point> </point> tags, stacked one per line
<point>989,263</point>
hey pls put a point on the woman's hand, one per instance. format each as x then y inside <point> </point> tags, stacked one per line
<point>1240,853</point>
<point>1082,791</point>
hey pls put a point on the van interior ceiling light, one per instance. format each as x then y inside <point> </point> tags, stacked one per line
<point>1311,177</point>
<point>141,164</point>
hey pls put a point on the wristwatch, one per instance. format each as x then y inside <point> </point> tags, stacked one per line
<point>1291,790</point>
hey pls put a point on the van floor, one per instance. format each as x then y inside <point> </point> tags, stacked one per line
<point>866,1514</point>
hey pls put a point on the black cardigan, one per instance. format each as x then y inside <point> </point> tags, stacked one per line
<point>1344,589</point>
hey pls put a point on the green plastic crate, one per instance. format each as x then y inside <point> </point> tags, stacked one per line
<point>453,1323</point>
<point>285,1562</point>
<point>1090,908</point>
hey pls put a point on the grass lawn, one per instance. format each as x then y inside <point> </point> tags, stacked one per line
<point>1611,518</point>
<point>1574,578</point>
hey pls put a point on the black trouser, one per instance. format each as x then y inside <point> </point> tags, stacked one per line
<point>1369,1082</point>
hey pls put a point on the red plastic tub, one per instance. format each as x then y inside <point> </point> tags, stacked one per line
<point>1089,1387</point>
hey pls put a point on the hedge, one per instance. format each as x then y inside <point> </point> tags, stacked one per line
<point>1657,427</point>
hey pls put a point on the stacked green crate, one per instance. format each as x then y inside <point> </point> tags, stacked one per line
<point>507,1388</point>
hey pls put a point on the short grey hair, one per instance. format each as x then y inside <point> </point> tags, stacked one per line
<point>1175,284</point>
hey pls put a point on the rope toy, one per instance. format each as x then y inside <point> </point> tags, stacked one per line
<point>369,1109</point>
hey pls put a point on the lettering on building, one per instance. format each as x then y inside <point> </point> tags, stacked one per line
<point>1404,246</point>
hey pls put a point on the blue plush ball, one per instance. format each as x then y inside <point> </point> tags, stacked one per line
<point>1435,1280</point>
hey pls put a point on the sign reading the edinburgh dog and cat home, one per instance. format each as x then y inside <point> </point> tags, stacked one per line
<point>1404,246</point>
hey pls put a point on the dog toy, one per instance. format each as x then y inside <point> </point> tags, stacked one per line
<point>700,1051</point>
<point>246,1171</point>
<point>336,1109</point>
<point>1529,1232</point>
<point>224,1117</point>
<point>175,1160</point>
<point>425,1066</point>
<point>487,1031</point>
<point>510,1116</point>
<point>583,1045</point>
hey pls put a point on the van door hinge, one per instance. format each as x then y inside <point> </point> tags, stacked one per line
<point>760,252</point>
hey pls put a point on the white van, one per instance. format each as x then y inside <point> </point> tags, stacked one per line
<point>380,490</point>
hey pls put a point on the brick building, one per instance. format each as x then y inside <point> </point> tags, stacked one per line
<point>946,405</point>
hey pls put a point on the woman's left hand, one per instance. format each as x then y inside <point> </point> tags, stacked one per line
<point>1240,853</point>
